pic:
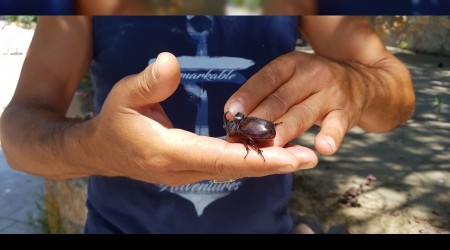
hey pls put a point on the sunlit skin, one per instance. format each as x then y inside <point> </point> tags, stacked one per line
<point>150,7</point>
<point>161,7</point>
<point>352,80</point>
<point>290,7</point>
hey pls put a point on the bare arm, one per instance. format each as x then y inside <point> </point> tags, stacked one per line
<point>351,80</point>
<point>131,136</point>
<point>34,127</point>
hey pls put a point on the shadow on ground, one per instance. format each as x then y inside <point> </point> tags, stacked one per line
<point>411,164</point>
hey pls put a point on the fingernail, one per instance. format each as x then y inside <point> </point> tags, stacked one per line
<point>290,168</point>
<point>155,72</point>
<point>330,143</point>
<point>307,165</point>
<point>236,107</point>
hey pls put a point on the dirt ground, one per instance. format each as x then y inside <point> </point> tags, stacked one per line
<point>411,164</point>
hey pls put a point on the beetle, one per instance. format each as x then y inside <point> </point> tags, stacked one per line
<point>251,130</point>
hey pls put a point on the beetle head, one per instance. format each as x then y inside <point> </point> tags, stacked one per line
<point>232,127</point>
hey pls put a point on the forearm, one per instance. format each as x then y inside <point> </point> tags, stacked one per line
<point>41,142</point>
<point>388,92</point>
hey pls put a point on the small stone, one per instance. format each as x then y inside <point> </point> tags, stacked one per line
<point>343,200</point>
<point>371,178</point>
<point>351,192</point>
<point>354,203</point>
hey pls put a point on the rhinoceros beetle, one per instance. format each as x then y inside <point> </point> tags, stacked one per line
<point>251,130</point>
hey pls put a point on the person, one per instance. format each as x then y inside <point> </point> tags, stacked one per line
<point>270,7</point>
<point>155,152</point>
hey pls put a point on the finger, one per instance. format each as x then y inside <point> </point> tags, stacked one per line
<point>332,132</point>
<point>280,101</point>
<point>261,85</point>
<point>216,156</point>
<point>157,113</point>
<point>299,118</point>
<point>190,176</point>
<point>289,93</point>
<point>153,85</point>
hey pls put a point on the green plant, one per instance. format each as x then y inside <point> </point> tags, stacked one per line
<point>23,21</point>
<point>250,4</point>
<point>86,82</point>
<point>253,4</point>
<point>236,2</point>
<point>403,44</point>
<point>437,104</point>
<point>46,219</point>
<point>12,18</point>
<point>39,221</point>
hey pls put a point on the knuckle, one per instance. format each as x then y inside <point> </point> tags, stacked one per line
<point>234,176</point>
<point>280,100</point>
<point>269,75</point>
<point>220,165</point>
<point>142,88</point>
<point>307,112</point>
<point>224,167</point>
<point>138,85</point>
<point>299,127</point>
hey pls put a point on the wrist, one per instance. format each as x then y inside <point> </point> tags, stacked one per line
<point>356,80</point>
<point>85,149</point>
<point>385,91</point>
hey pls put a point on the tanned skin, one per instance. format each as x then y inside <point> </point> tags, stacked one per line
<point>352,80</point>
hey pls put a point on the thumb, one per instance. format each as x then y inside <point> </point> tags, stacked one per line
<point>332,132</point>
<point>153,85</point>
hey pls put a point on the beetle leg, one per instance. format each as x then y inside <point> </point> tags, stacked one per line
<point>246,148</point>
<point>250,142</point>
<point>260,153</point>
<point>278,123</point>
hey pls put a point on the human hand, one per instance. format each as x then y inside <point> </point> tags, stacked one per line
<point>301,90</point>
<point>133,137</point>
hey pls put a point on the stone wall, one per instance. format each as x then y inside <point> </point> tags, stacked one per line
<point>65,202</point>
<point>428,34</point>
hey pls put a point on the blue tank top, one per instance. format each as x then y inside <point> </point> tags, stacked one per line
<point>34,7</point>
<point>217,55</point>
